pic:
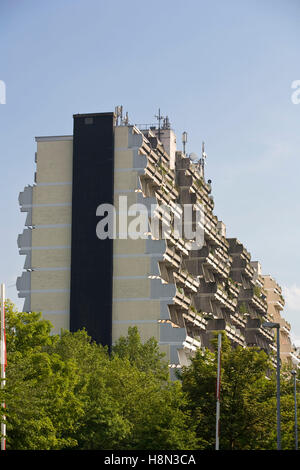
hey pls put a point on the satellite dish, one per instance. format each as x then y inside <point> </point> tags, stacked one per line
<point>194,157</point>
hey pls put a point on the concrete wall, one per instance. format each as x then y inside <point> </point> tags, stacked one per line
<point>48,204</point>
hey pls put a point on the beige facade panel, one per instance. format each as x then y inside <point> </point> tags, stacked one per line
<point>125,180</point>
<point>51,258</point>
<point>41,301</point>
<point>56,194</point>
<point>58,321</point>
<point>131,198</point>
<point>49,280</point>
<point>54,161</point>
<point>123,159</point>
<point>132,267</point>
<point>136,310</point>
<point>121,137</point>
<point>51,215</point>
<point>54,236</point>
<point>128,246</point>
<point>131,288</point>
<point>165,349</point>
<point>146,330</point>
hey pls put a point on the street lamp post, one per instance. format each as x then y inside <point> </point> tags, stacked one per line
<point>218,391</point>
<point>294,373</point>
<point>217,325</point>
<point>277,326</point>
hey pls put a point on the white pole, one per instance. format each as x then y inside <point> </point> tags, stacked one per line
<point>218,391</point>
<point>3,362</point>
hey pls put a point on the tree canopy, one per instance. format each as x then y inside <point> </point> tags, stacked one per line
<point>248,399</point>
<point>66,391</point>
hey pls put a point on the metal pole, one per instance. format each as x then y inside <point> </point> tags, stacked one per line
<point>278,390</point>
<point>218,391</point>
<point>294,373</point>
<point>3,363</point>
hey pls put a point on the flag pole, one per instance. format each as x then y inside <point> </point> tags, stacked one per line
<point>217,447</point>
<point>3,363</point>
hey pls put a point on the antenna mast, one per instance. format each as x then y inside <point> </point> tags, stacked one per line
<point>3,363</point>
<point>159,117</point>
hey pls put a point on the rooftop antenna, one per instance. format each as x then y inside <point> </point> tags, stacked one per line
<point>184,140</point>
<point>166,123</point>
<point>125,121</point>
<point>203,158</point>
<point>159,117</point>
<point>119,114</point>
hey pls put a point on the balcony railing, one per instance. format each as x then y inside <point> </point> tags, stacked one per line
<point>253,298</point>
<point>181,299</point>
<point>185,279</point>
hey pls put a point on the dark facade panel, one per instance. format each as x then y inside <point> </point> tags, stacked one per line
<point>91,258</point>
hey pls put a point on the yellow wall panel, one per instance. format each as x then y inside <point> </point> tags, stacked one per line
<point>59,321</point>
<point>121,137</point>
<point>132,266</point>
<point>146,330</point>
<point>54,236</point>
<point>52,194</point>
<point>51,258</point>
<point>51,215</point>
<point>131,288</point>
<point>135,310</point>
<point>54,161</point>
<point>50,280</point>
<point>50,301</point>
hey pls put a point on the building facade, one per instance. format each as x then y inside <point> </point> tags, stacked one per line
<point>288,352</point>
<point>80,271</point>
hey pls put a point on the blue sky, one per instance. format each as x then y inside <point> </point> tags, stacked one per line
<point>222,71</point>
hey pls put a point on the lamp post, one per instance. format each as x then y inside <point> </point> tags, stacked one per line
<point>294,374</point>
<point>3,363</point>
<point>277,326</point>
<point>218,392</point>
<point>217,325</point>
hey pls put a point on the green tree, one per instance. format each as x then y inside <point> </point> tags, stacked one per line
<point>40,403</point>
<point>245,413</point>
<point>66,391</point>
<point>145,356</point>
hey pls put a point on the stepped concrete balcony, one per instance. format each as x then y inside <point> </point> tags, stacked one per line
<point>167,192</point>
<point>171,257</point>
<point>256,334</point>
<point>182,299</point>
<point>242,264</point>
<point>191,344</point>
<point>212,235</point>
<point>185,279</point>
<point>238,319</point>
<point>233,288</point>
<point>25,201</point>
<point>285,327</point>
<point>220,324</point>
<point>241,258</point>
<point>235,335</point>
<point>290,355</point>
<point>226,298</point>
<point>193,319</point>
<point>201,190</point>
<point>215,292</point>
<point>253,297</point>
<point>178,243</point>
<point>279,303</point>
<point>214,259</point>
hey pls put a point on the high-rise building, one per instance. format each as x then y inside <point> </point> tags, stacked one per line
<point>92,262</point>
<point>275,301</point>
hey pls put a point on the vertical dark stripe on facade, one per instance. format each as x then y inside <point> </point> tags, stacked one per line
<point>91,258</point>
